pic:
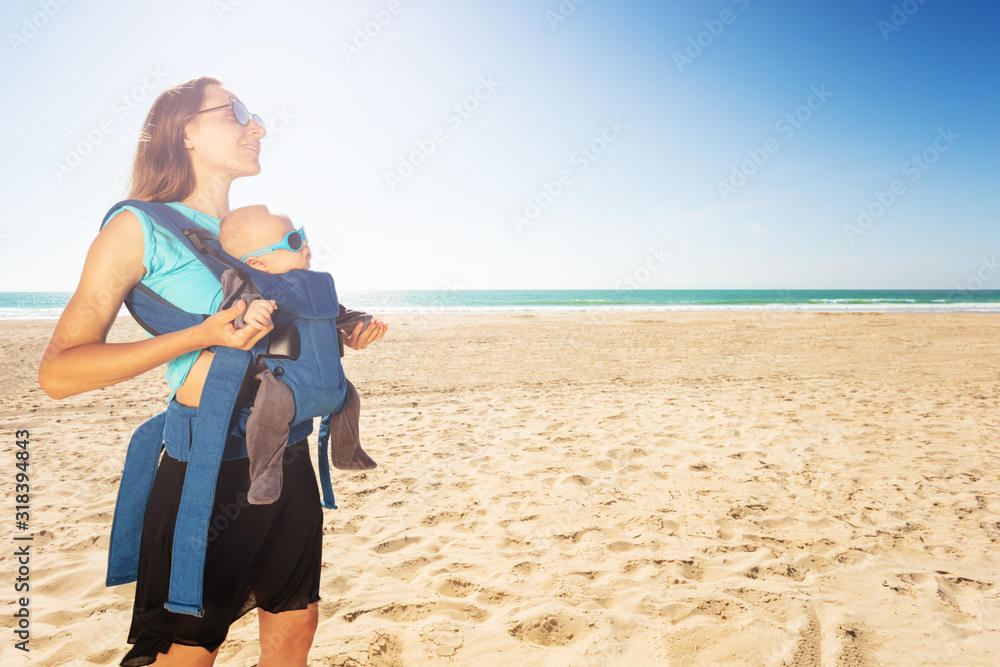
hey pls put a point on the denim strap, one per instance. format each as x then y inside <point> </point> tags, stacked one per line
<point>133,495</point>
<point>187,565</point>
<point>329,502</point>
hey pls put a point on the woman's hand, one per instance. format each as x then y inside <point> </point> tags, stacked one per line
<point>218,329</point>
<point>359,340</point>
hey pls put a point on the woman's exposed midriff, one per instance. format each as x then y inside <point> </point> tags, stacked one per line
<point>189,393</point>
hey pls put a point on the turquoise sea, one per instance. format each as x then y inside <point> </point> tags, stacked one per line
<point>31,305</point>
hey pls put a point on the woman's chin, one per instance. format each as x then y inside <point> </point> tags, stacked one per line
<point>251,169</point>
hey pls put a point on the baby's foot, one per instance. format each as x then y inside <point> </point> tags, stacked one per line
<point>266,488</point>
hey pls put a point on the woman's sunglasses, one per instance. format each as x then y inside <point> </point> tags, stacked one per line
<point>240,110</point>
<point>294,241</point>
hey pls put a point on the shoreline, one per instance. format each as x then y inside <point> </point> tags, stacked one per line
<point>626,311</point>
<point>48,305</point>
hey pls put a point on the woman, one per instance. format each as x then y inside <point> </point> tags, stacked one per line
<point>197,138</point>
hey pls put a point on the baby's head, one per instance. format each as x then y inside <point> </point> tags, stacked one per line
<point>255,228</point>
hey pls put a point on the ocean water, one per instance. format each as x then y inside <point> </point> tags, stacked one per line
<point>32,305</point>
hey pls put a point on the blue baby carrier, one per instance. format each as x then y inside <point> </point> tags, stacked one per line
<point>302,350</point>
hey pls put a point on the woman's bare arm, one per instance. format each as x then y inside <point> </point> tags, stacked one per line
<point>79,359</point>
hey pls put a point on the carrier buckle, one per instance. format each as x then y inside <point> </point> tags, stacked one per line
<point>283,343</point>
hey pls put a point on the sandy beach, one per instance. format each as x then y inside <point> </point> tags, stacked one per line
<point>728,488</point>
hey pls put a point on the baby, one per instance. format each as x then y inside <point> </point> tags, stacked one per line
<point>266,240</point>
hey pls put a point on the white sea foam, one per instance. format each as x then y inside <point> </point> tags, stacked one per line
<point>910,307</point>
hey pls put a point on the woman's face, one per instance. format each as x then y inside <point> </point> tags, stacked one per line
<point>216,141</point>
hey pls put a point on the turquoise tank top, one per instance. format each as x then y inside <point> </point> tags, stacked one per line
<point>177,275</point>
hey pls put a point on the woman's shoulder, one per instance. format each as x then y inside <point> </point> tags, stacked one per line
<point>124,228</point>
<point>132,217</point>
<point>121,233</point>
<point>135,219</point>
<point>127,216</point>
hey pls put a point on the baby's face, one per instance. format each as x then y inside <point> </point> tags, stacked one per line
<point>268,230</point>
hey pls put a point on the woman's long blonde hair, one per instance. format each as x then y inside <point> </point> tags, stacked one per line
<point>162,171</point>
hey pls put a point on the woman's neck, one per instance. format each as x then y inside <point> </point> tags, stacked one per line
<point>210,196</point>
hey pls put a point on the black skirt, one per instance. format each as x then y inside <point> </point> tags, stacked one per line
<point>266,556</point>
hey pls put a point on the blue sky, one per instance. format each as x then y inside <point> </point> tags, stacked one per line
<point>537,143</point>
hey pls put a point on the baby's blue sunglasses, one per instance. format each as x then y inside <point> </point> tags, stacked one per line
<point>240,110</point>
<point>295,241</point>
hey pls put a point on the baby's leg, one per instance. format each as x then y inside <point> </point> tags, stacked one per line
<point>267,435</point>
<point>345,441</point>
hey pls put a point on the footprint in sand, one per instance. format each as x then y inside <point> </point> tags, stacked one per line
<point>722,610</point>
<point>578,480</point>
<point>401,612</point>
<point>813,563</point>
<point>371,647</point>
<point>547,629</point>
<point>454,587</point>
<point>625,453</point>
<point>441,517</point>
<point>945,592</point>
<point>525,568</point>
<point>777,607</point>
<point>443,639</point>
<point>409,569</point>
<point>385,650</point>
<point>690,570</point>
<point>107,657</point>
<point>395,544</point>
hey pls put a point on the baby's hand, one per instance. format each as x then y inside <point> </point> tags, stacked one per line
<point>358,340</point>
<point>258,313</point>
